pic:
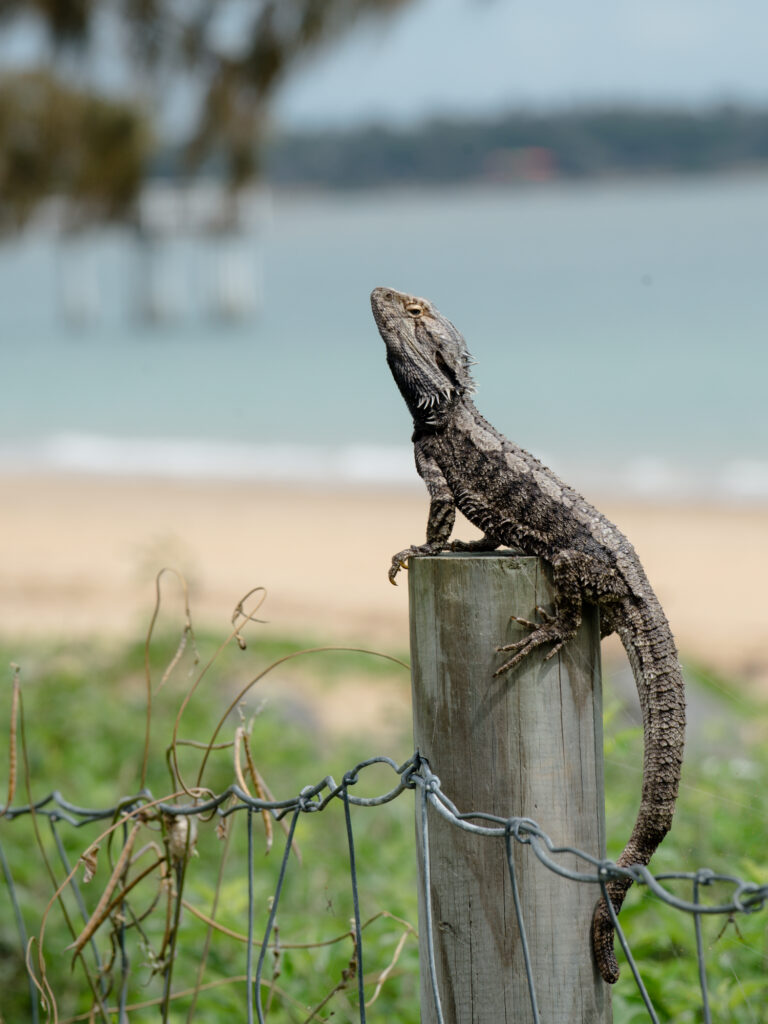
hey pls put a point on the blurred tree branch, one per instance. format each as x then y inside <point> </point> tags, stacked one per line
<point>60,141</point>
<point>237,52</point>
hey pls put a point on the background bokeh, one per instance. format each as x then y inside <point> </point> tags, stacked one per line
<point>196,202</point>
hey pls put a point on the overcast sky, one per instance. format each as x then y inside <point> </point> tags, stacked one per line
<point>485,55</point>
<point>482,56</point>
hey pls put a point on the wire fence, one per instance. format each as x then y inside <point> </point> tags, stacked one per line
<point>150,845</point>
<point>114,912</point>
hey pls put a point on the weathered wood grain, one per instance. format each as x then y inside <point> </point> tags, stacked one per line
<point>528,744</point>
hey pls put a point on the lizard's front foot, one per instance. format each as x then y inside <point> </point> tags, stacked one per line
<point>399,560</point>
<point>555,630</point>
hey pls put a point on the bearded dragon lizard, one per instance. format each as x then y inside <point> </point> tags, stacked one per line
<point>516,501</point>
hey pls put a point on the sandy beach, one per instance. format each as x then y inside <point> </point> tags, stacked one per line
<point>79,557</point>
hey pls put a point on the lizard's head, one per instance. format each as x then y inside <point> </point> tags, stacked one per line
<point>428,357</point>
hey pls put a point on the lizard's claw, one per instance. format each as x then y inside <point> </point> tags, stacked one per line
<point>543,614</point>
<point>550,630</point>
<point>394,569</point>
<point>523,622</point>
<point>523,649</point>
<point>400,560</point>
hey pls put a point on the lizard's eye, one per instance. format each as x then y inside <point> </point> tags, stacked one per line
<point>414,309</point>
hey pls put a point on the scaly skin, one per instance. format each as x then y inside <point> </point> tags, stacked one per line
<point>516,501</point>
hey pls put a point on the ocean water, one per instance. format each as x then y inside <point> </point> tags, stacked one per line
<point>621,333</point>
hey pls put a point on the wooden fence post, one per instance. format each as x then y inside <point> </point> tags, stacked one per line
<point>530,744</point>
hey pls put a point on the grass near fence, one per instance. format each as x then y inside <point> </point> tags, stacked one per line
<point>84,732</point>
<point>719,824</point>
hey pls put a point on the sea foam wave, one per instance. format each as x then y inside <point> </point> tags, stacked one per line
<point>736,479</point>
<point>182,458</point>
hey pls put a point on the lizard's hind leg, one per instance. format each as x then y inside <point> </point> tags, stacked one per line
<point>575,576</point>
<point>555,629</point>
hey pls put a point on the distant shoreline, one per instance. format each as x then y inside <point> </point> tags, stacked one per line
<point>522,146</point>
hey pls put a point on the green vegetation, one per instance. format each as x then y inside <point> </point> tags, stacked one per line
<point>84,718</point>
<point>719,825</point>
<point>84,715</point>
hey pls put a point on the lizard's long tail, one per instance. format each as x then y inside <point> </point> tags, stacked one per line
<point>649,644</point>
